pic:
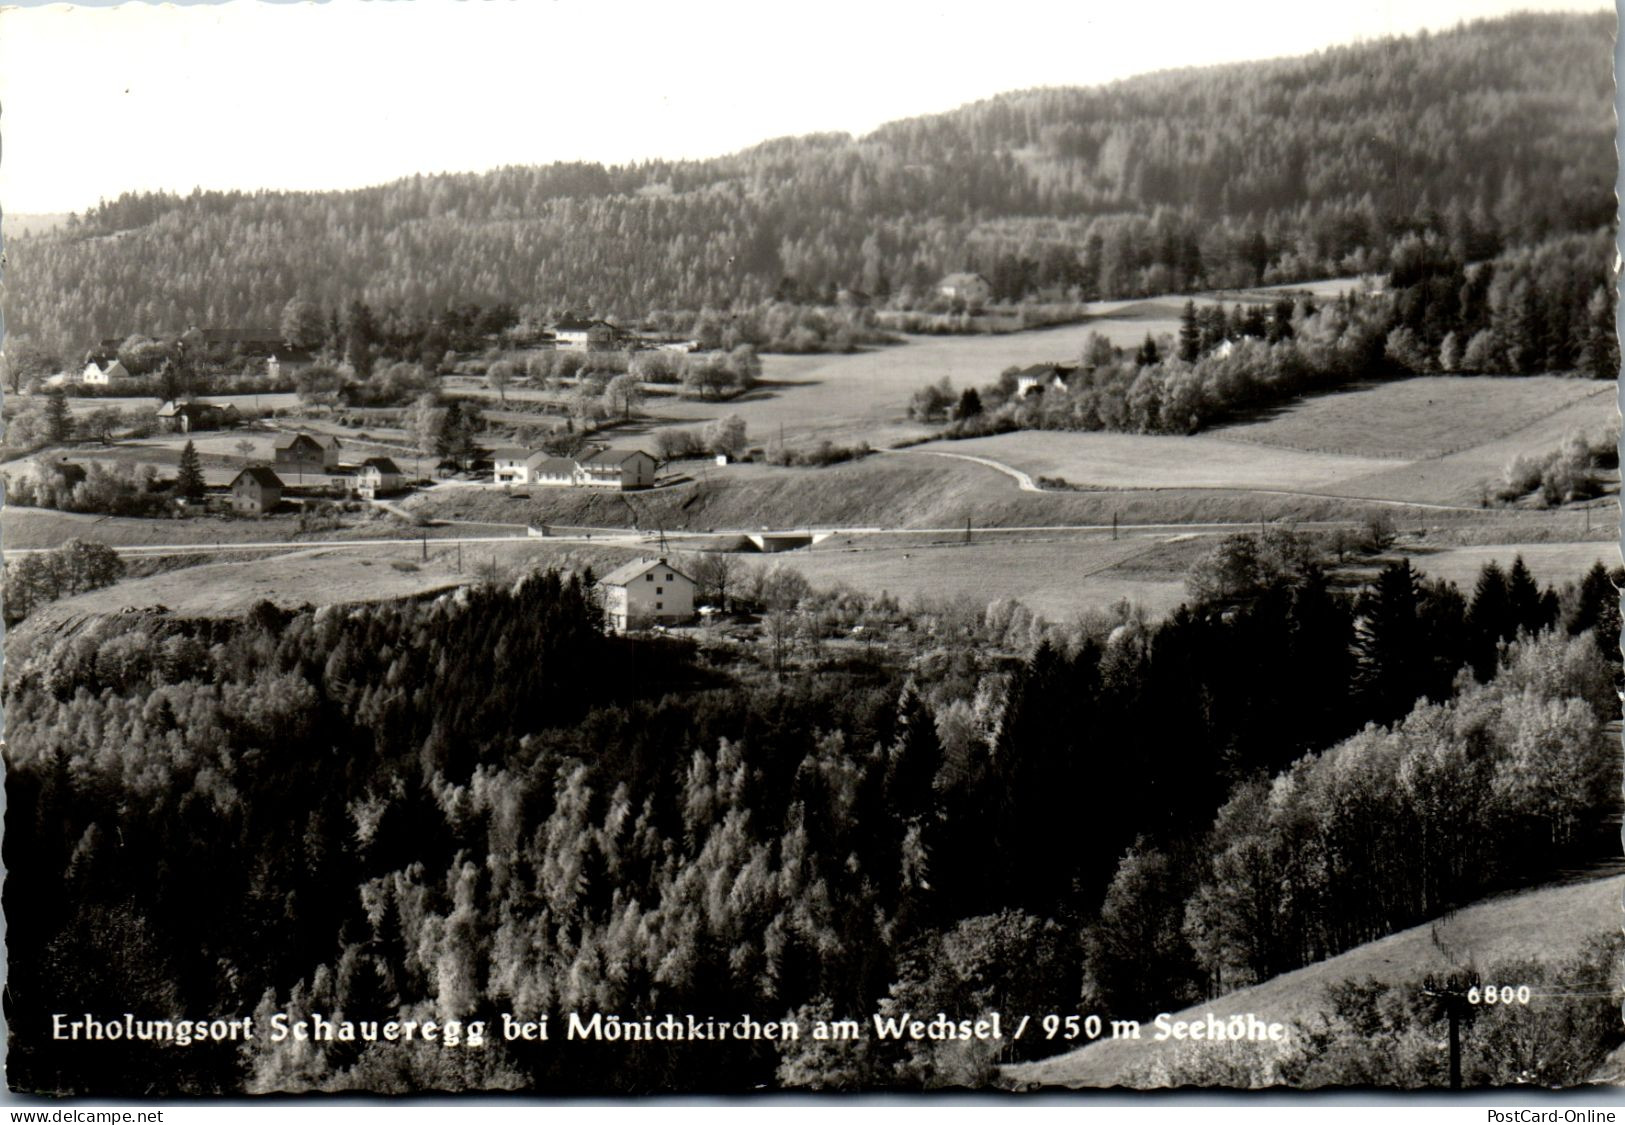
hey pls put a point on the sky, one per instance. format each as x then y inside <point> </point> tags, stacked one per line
<point>98,100</point>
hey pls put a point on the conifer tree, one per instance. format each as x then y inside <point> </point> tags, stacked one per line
<point>189,477</point>
<point>58,421</point>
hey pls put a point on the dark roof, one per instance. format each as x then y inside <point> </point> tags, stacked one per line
<point>268,336</point>
<point>1045,370</point>
<point>194,409</point>
<point>382,464</point>
<point>613,456</point>
<point>287,441</point>
<point>260,475</point>
<point>539,462</point>
<point>509,453</point>
<point>962,278</point>
<point>580,324</point>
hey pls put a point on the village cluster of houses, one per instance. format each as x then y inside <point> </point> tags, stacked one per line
<point>621,469</point>
<point>258,489</point>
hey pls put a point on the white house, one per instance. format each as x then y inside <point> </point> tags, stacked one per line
<point>554,472</point>
<point>95,375</point>
<point>617,468</point>
<point>508,465</point>
<point>379,476</point>
<point>579,334</point>
<point>1040,377</point>
<point>645,593</point>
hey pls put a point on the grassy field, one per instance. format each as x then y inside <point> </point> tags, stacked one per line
<point>1427,441</point>
<point>864,397</point>
<point>1056,578</point>
<point>1549,924</point>
<point>318,575</point>
<point>1462,477</point>
<point>26,528</point>
<point>1552,564</point>
<point>1112,460</point>
<point>907,490</point>
<point>1428,416</point>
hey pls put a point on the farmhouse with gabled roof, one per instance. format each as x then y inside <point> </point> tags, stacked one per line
<point>647,592</point>
<point>256,490</point>
<point>617,468</point>
<point>307,452</point>
<point>379,476</point>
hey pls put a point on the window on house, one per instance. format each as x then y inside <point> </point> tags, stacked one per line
<point>668,578</point>
<point>648,577</point>
<point>660,589</point>
<point>660,605</point>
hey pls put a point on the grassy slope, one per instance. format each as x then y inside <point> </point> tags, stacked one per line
<point>848,398</point>
<point>1057,578</point>
<point>905,490</point>
<point>316,575</point>
<point>1458,477</point>
<point>1112,460</point>
<point>1427,416</point>
<point>1549,923</point>
<point>1551,563</point>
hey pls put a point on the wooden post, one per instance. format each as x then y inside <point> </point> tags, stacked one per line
<point>1453,1009</point>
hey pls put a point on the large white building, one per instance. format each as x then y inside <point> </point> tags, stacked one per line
<point>647,592</point>
<point>622,469</point>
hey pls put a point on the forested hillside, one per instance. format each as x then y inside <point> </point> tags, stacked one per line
<point>1494,135</point>
<point>484,805</point>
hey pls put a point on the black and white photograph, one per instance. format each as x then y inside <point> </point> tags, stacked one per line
<point>647,550</point>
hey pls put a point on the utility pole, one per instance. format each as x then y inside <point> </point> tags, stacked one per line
<point>459,558</point>
<point>1114,527</point>
<point>1453,1008</point>
<point>967,531</point>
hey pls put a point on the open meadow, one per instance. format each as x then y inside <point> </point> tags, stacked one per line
<point>864,396</point>
<point>1427,415</point>
<point>1057,577</point>
<point>1552,564</point>
<point>323,574</point>
<point>1115,460</point>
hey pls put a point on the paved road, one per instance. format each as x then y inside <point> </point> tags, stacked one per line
<point>630,537</point>
<point>1023,480</point>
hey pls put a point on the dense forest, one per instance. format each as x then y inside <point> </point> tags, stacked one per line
<point>1493,135</point>
<point>484,804</point>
